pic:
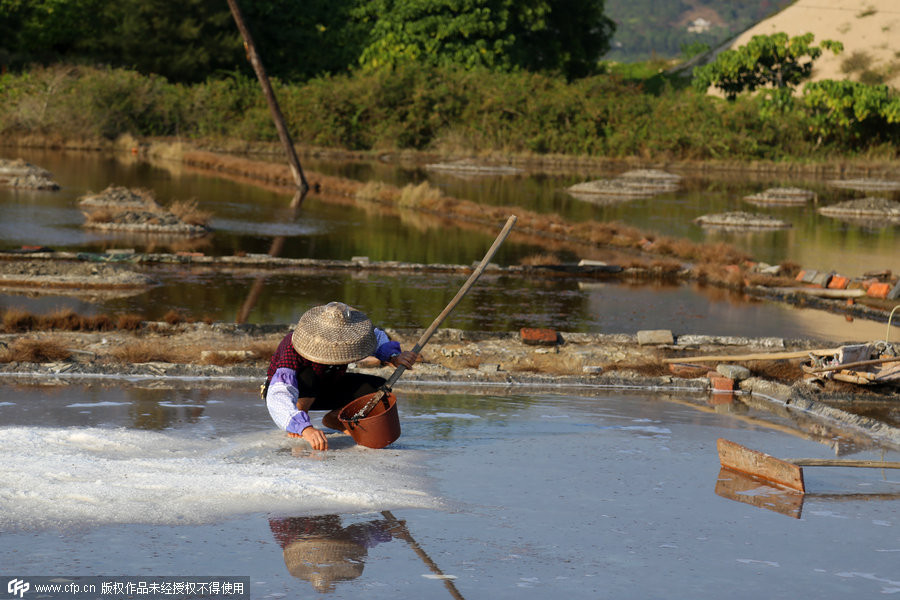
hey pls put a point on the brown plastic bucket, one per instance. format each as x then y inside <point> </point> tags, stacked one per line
<point>377,429</point>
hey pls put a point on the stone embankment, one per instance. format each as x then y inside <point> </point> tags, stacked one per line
<point>523,363</point>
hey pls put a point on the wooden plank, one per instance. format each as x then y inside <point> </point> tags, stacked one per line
<point>757,356</point>
<point>758,464</point>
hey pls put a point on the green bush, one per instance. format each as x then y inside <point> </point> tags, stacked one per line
<point>465,111</point>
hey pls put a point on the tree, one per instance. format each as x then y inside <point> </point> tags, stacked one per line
<point>565,35</point>
<point>46,29</point>
<point>188,40</point>
<point>183,41</point>
<point>852,111</point>
<point>768,60</point>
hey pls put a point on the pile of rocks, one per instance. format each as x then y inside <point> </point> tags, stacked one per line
<point>20,174</point>
<point>123,209</point>
<point>741,220</point>
<point>639,183</point>
<point>870,211</point>
<point>781,195</point>
<point>119,198</point>
<point>866,184</point>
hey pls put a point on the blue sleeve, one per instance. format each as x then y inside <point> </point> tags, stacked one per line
<point>386,348</point>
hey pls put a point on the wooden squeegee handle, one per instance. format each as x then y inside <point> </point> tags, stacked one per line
<point>440,318</point>
<point>843,462</point>
<point>459,296</point>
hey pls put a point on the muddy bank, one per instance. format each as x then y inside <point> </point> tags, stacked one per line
<point>68,275</point>
<point>163,354</point>
<point>838,167</point>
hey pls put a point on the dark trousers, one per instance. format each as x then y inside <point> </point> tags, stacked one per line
<point>336,393</point>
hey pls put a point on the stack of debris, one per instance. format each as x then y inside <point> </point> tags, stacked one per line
<point>864,364</point>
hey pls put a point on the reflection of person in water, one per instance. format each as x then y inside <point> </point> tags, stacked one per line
<point>322,551</point>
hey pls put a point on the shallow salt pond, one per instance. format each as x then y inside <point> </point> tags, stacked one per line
<point>611,494</point>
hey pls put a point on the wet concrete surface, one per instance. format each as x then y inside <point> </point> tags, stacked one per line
<point>615,495</point>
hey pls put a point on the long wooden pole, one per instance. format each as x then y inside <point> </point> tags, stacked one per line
<point>361,413</point>
<point>844,462</point>
<point>758,356</point>
<point>277,116</point>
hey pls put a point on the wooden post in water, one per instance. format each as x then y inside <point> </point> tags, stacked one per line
<point>283,135</point>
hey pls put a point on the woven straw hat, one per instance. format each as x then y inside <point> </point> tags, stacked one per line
<point>334,334</point>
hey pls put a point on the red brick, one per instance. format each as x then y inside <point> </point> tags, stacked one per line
<point>878,290</point>
<point>539,337</point>
<point>722,384</point>
<point>839,282</point>
<point>867,283</point>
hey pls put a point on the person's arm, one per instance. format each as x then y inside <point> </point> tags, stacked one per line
<point>281,400</point>
<point>389,351</point>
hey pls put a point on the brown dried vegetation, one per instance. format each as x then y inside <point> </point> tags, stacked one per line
<point>34,351</point>
<point>188,212</point>
<point>16,320</point>
<point>144,351</point>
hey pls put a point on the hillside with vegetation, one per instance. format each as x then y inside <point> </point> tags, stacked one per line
<point>666,29</point>
<point>487,77</point>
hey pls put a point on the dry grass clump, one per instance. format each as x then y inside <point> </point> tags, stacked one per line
<point>16,320</point>
<point>143,351</point>
<point>100,215</point>
<point>188,212</point>
<point>375,191</point>
<point>129,322</point>
<point>262,349</point>
<point>174,317</point>
<point>536,260</point>
<point>34,351</point>
<point>789,269</point>
<point>422,196</point>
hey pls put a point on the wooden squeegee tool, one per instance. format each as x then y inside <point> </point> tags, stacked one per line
<point>785,473</point>
<point>386,388</point>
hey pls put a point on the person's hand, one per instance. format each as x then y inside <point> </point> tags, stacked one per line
<point>315,438</point>
<point>406,358</point>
